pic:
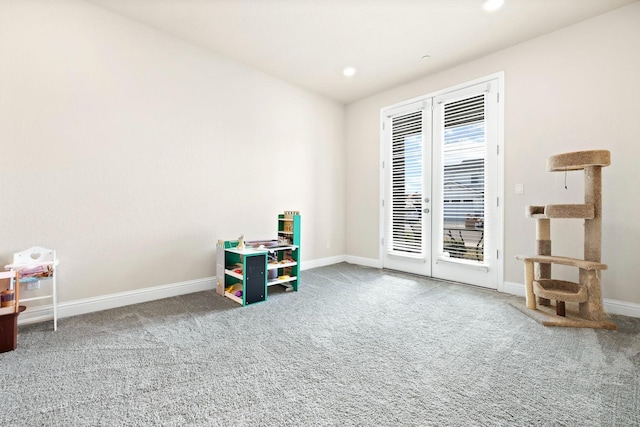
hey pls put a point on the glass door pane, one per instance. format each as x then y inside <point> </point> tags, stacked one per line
<point>463,154</point>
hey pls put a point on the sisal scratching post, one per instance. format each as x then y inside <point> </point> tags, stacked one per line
<point>528,280</point>
<point>543,247</point>
<point>593,226</point>
<point>587,291</point>
<point>592,308</point>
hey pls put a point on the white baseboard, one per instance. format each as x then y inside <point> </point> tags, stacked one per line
<point>513,288</point>
<point>366,262</point>
<point>36,315</point>
<point>321,262</point>
<point>611,306</point>
<point>104,302</point>
<point>621,307</point>
<point>121,299</point>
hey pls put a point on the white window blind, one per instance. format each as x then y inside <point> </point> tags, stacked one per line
<point>464,151</point>
<point>405,233</point>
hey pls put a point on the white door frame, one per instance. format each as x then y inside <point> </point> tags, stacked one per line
<point>499,239</point>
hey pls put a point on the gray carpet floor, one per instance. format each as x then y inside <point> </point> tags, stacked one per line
<point>355,346</point>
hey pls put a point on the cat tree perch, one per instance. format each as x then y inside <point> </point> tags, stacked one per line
<point>586,293</point>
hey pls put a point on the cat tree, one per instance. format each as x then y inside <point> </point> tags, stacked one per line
<point>537,269</point>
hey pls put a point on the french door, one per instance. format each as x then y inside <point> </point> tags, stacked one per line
<point>441,215</point>
<point>406,200</point>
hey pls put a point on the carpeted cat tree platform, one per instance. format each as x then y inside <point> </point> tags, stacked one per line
<point>576,304</point>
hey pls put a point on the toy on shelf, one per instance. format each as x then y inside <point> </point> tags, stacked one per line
<point>586,293</point>
<point>9,311</point>
<point>7,298</point>
<point>34,265</point>
<point>245,269</point>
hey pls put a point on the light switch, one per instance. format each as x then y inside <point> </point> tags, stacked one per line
<point>519,188</point>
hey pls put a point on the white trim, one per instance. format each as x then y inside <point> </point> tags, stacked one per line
<point>366,262</point>
<point>501,178</point>
<point>37,314</point>
<point>611,306</point>
<point>621,307</point>
<point>105,302</point>
<point>512,288</point>
<point>382,183</point>
<point>121,299</point>
<point>500,190</point>
<point>463,263</point>
<point>497,75</point>
<point>321,262</point>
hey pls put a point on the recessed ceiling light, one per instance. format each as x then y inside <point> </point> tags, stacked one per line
<point>426,57</point>
<point>491,5</point>
<point>349,71</point>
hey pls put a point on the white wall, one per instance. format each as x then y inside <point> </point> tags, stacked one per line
<point>131,152</point>
<point>575,89</point>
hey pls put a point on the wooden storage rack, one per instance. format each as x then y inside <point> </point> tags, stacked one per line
<point>260,264</point>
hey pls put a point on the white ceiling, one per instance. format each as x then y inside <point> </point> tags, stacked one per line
<point>310,42</point>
